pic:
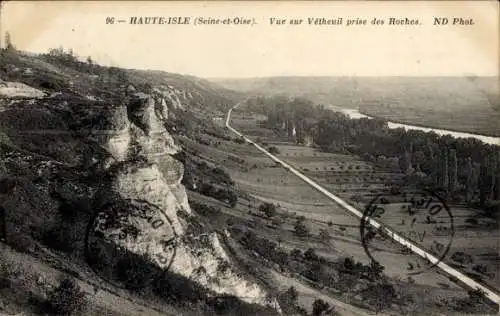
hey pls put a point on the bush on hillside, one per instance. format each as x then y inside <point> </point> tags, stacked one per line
<point>300,229</point>
<point>66,298</point>
<point>268,209</point>
<point>223,195</point>
<point>320,307</point>
<point>273,150</point>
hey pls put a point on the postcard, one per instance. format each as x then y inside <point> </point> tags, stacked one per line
<point>249,158</point>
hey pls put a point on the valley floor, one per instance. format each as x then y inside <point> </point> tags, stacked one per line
<point>260,180</point>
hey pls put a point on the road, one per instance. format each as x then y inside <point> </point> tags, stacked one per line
<point>395,236</point>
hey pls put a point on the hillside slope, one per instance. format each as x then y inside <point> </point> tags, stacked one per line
<point>88,172</point>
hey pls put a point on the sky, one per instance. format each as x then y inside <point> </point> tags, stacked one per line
<point>266,50</point>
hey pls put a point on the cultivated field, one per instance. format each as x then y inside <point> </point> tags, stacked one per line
<point>474,247</point>
<point>259,180</point>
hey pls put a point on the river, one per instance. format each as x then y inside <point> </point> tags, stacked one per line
<point>355,114</point>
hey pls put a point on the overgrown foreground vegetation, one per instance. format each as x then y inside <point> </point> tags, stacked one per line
<point>48,186</point>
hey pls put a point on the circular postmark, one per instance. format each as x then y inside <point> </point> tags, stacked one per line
<point>130,243</point>
<point>418,217</point>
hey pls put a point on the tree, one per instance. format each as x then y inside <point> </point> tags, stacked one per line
<point>483,183</point>
<point>453,170</point>
<point>273,150</point>
<point>135,270</point>
<point>470,181</point>
<point>324,235</point>
<point>477,297</point>
<point>292,294</point>
<point>492,171</point>
<point>348,264</point>
<point>320,307</point>
<point>380,295</point>
<point>56,52</point>
<point>444,169</point>
<point>232,199</point>
<point>405,162</point>
<point>268,209</point>
<point>66,298</point>
<point>310,255</point>
<point>89,60</point>
<point>301,229</point>
<point>288,300</point>
<point>9,47</point>
<point>375,270</point>
<point>296,254</point>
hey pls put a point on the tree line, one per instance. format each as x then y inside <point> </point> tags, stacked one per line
<point>464,169</point>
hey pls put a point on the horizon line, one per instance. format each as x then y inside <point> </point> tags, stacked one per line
<point>211,77</point>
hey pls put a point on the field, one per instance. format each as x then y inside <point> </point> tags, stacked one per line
<point>358,182</point>
<point>259,180</point>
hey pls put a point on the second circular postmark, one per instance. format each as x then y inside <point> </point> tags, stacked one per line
<point>420,217</point>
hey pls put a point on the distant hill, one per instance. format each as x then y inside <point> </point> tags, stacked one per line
<point>470,104</point>
<point>68,75</point>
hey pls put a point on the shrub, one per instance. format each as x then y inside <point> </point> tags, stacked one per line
<point>135,271</point>
<point>224,195</point>
<point>230,221</point>
<point>231,305</point>
<point>220,175</point>
<point>324,235</point>
<point>348,264</point>
<point>380,295</point>
<point>175,288</point>
<point>311,255</point>
<point>57,238</point>
<point>461,257</point>
<point>239,140</point>
<point>288,300</point>
<point>67,298</point>
<point>296,254</point>
<point>301,229</point>
<point>471,221</point>
<point>273,150</point>
<point>301,218</point>
<point>480,268</point>
<point>268,209</point>
<point>320,307</point>
<point>476,303</point>
<point>21,241</point>
<point>375,270</point>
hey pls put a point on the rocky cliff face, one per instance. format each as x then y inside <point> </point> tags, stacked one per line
<point>135,152</point>
<point>157,180</point>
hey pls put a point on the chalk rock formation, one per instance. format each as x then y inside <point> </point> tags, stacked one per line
<point>129,144</point>
<point>152,175</point>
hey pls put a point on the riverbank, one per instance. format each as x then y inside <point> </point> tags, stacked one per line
<point>355,114</point>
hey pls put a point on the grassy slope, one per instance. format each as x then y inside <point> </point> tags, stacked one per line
<point>77,81</point>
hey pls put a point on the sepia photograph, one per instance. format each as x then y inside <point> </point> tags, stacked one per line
<point>249,158</point>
